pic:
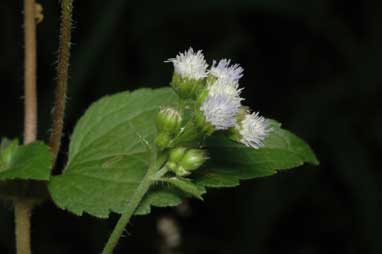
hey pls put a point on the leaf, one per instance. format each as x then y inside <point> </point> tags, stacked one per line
<point>108,156</point>
<point>231,162</point>
<point>160,196</point>
<point>110,150</point>
<point>24,162</point>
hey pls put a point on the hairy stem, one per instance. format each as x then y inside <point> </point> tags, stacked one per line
<point>125,218</point>
<point>23,209</point>
<point>30,103</point>
<point>151,176</point>
<point>62,76</point>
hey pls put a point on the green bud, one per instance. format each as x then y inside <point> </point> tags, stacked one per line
<point>187,88</point>
<point>193,159</point>
<point>177,154</point>
<point>163,140</point>
<point>169,120</point>
<point>171,165</point>
<point>181,161</point>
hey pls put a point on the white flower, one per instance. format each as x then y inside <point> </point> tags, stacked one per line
<point>190,64</point>
<point>223,70</point>
<point>220,110</point>
<point>224,86</point>
<point>254,129</point>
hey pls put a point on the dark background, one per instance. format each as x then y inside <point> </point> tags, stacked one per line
<point>314,65</point>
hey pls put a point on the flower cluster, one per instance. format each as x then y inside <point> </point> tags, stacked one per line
<point>220,97</point>
<point>216,101</point>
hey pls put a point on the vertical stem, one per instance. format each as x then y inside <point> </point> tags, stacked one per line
<point>62,76</point>
<point>30,117</point>
<point>23,210</point>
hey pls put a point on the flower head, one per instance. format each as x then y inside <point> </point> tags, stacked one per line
<point>223,70</point>
<point>220,110</point>
<point>253,130</point>
<point>224,86</point>
<point>190,64</point>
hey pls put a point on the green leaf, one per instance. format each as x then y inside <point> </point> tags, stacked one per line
<point>108,156</point>
<point>231,162</point>
<point>25,162</point>
<point>110,150</point>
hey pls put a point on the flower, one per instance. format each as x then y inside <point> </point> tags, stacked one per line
<point>220,110</point>
<point>223,70</point>
<point>224,86</point>
<point>220,103</point>
<point>190,64</point>
<point>253,130</point>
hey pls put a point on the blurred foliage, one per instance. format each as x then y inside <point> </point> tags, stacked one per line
<point>314,65</point>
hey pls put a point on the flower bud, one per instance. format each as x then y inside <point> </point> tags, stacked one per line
<point>171,165</point>
<point>177,154</point>
<point>163,140</point>
<point>193,159</point>
<point>181,161</point>
<point>169,120</point>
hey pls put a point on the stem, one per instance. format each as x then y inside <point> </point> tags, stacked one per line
<point>22,207</point>
<point>134,202</point>
<point>23,210</point>
<point>125,218</point>
<point>30,104</point>
<point>62,77</point>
